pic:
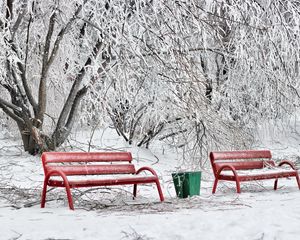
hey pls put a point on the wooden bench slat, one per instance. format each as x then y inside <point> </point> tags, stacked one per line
<point>245,154</point>
<point>262,171</point>
<point>94,169</point>
<point>245,165</point>
<point>103,182</point>
<point>58,157</point>
<point>255,177</point>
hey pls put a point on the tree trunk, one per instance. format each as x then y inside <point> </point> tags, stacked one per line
<point>29,142</point>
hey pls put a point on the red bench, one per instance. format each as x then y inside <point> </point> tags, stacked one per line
<point>249,165</point>
<point>60,167</point>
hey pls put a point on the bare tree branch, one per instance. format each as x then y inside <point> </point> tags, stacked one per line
<point>10,105</point>
<point>45,67</point>
<point>22,71</point>
<point>62,32</point>
<point>9,113</point>
<point>9,9</point>
<point>27,44</point>
<point>19,19</point>
<point>75,106</point>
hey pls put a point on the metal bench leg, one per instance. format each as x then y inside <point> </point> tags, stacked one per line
<point>237,181</point>
<point>238,186</point>
<point>161,196</point>
<point>66,183</point>
<point>298,181</point>
<point>134,190</point>
<point>43,201</point>
<point>215,185</point>
<point>69,195</point>
<point>275,184</point>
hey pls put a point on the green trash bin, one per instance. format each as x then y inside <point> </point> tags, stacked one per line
<point>187,183</point>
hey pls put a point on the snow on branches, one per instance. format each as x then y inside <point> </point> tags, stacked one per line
<point>197,74</point>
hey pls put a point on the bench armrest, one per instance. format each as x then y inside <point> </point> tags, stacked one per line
<point>227,166</point>
<point>287,162</point>
<point>56,173</point>
<point>146,169</point>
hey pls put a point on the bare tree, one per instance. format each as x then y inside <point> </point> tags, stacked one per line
<point>37,40</point>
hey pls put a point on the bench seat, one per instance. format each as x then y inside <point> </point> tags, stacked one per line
<point>253,175</point>
<point>103,182</point>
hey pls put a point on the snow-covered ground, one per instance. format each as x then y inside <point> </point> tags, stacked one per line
<point>258,213</point>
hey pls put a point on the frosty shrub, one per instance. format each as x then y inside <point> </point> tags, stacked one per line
<point>202,74</point>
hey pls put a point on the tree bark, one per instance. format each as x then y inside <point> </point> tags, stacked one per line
<point>9,9</point>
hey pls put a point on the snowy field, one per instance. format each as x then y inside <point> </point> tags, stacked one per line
<point>257,213</point>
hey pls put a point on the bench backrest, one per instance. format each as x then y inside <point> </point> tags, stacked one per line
<point>87,163</point>
<point>241,160</point>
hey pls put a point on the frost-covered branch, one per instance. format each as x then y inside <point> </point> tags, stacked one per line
<point>11,114</point>
<point>10,105</point>
<point>62,32</point>
<point>45,68</point>
<point>21,15</point>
